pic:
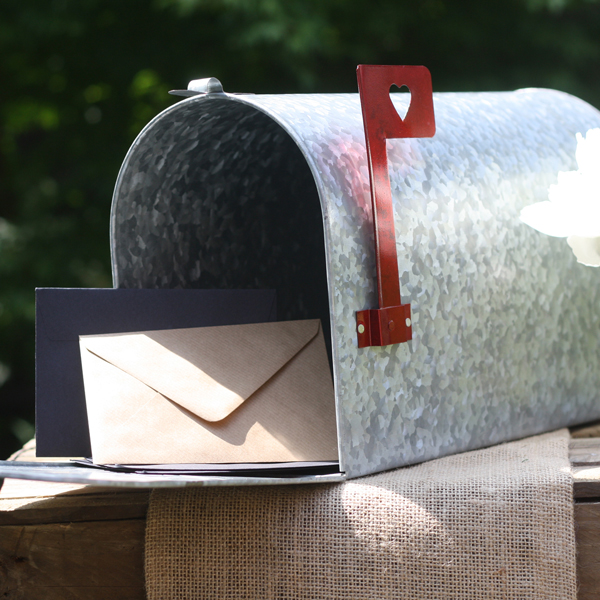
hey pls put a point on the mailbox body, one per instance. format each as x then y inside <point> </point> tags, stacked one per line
<point>241,191</point>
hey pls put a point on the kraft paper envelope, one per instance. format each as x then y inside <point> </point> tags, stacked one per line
<point>239,393</point>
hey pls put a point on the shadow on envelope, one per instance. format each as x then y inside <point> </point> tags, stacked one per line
<point>239,393</point>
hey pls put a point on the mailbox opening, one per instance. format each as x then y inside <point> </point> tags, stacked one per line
<point>216,194</point>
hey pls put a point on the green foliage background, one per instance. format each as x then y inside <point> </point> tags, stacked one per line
<point>80,78</point>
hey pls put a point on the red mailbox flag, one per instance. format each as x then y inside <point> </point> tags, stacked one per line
<point>390,323</point>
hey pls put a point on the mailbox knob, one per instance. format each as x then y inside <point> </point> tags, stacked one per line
<point>210,85</point>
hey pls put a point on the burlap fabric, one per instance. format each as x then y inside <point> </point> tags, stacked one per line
<point>495,523</point>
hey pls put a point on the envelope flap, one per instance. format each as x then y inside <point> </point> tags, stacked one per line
<point>209,371</point>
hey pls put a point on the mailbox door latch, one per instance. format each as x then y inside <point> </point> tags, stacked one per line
<point>210,86</point>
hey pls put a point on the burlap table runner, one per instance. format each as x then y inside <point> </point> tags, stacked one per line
<point>494,523</point>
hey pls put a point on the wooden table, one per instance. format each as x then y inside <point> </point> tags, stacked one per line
<point>61,541</point>
<point>585,461</point>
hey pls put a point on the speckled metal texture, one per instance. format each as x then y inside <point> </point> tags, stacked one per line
<point>224,191</point>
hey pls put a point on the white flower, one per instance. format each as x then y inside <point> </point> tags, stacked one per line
<point>573,206</point>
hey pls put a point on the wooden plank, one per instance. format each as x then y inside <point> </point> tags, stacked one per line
<point>69,508</point>
<point>587,531</point>
<point>25,502</point>
<point>83,561</point>
<point>27,488</point>
<point>22,488</point>
<point>585,460</point>
<point>70,541</point>
<point>586,482</point>
<point>585,451</point>
<point>586,431</point>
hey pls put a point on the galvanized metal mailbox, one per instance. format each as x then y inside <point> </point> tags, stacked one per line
<point>499,337</point>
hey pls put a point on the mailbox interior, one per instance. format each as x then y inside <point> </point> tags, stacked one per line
<point>216,194</point>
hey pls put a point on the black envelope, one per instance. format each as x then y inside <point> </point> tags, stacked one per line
<point>62,315</point>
